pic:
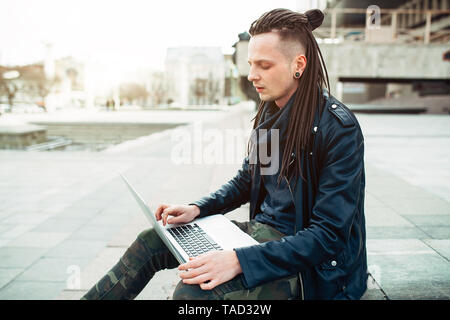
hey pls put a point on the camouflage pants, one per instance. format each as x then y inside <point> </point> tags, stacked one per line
<point>148,254</point>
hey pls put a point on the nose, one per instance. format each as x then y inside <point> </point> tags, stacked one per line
<point>252,75</point>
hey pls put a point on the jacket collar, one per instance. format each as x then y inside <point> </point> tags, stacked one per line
<point>317,117</point>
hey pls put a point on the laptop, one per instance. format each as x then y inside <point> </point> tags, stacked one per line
<point>214,232</point>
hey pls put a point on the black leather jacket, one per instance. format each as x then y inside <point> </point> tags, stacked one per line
<point>328,250</point>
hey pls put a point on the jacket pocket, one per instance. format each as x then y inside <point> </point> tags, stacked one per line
<point>337,261</point>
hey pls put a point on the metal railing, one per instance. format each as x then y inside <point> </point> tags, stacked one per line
<point>50,145</point>
<point>404,25</point>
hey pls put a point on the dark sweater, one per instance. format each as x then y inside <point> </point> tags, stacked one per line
<point>277,209</point>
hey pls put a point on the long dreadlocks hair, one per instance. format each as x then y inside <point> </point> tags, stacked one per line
<point>296,26</point>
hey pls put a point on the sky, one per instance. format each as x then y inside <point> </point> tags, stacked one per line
<point>125,34</point>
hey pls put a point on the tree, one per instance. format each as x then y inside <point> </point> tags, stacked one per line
<point>158,88</point>
<point>198,88</point>
<point>40,85</point>
<point>8,88</point>
<point>29,79</point>
<point>213,89</point>
<point>133,91</point>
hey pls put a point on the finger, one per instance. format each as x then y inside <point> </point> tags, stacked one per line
<point>164,216</point>
<point>177,219</point>
<point>199,279</point>
<point>209,285</point>
<point>193,263</point>
<point>192,273</point>
<point>170,211</point>
<point>157,213</point>
<point>159,210</point>
<point>185,266</point>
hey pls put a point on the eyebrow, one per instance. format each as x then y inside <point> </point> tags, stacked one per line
<point>261,60</point>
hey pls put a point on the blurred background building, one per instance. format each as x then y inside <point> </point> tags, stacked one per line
<point>392,53</point>
<point>395,48</point>
<point>375,51</point>
<point>44,84</point>
<point>196,75</point>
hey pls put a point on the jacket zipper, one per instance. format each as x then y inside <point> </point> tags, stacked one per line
<point>295,231</point>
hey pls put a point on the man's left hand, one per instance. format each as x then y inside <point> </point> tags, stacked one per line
<point>216,267</point>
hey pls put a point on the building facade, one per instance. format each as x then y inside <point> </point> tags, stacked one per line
<point>195,76</point>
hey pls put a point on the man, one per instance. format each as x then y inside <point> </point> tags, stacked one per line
<point>308,216</point>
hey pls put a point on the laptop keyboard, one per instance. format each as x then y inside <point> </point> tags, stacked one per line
<point>193,239</point>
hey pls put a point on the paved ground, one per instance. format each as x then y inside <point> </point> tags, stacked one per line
<point>66,217</point>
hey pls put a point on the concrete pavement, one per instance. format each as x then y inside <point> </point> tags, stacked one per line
<point>66,217</point>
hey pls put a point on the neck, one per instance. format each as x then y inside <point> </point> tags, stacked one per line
<point>283,101</point>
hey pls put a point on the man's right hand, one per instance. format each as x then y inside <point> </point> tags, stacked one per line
<point>179,213</point>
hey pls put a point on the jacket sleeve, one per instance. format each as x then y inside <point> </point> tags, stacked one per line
<point>230,196</point>
<point>335,206</point>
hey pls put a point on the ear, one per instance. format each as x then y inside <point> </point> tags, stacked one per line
<point>300,63</point>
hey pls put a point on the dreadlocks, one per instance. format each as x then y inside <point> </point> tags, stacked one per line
<point>297,27</point>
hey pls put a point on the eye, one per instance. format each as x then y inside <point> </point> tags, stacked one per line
<point>265,66</point>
